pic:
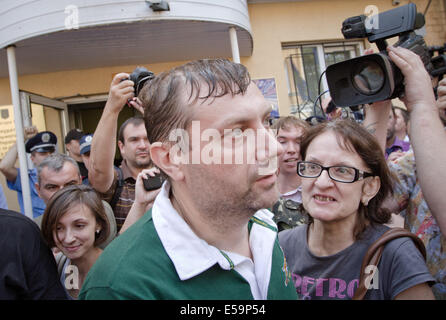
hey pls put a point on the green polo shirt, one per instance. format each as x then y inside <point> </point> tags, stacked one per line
<point>136,266</point>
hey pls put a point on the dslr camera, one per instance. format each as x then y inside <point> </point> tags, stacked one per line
<point>140,76</point>
<point>375,77</point>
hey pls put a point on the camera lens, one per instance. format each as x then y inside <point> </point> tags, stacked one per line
<point>368,77</point>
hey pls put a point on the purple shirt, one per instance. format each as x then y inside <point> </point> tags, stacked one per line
<point>398,145</point>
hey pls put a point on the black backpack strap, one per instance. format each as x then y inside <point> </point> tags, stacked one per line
<point>119,185</point>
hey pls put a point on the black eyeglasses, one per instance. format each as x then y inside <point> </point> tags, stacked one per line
<point>307,169</point>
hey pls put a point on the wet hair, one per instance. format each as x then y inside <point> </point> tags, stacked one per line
<point>354,137</point>
<point>65,199</point>
<point>286,123</point>
<point>165,101</point>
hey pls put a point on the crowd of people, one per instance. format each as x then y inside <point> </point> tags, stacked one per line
<point>293,219</point>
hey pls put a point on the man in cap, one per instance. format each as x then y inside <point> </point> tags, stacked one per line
<point>39,145</point>
<point>84,150</point>
<point>72,143</point>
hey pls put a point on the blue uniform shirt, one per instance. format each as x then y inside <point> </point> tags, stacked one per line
<point>3,203</point>
<point>37,203</point>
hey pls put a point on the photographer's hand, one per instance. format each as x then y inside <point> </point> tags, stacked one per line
<point>137,104</point>
<point>142,197</point>
<point>427,134</point>
<point>441,101</point>
<point>418,86</point>
<point>30,132</point>
<point>121,90</point>
<point>101,171</point>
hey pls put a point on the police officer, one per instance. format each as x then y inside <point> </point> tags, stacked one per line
<point>84,150</point>
<point>72,143</point>
<point>39,145</point>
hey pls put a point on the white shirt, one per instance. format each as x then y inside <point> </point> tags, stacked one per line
<point>191,255</point>
<point>295,195</point>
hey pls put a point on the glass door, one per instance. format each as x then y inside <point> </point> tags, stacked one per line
<point>46,114</point>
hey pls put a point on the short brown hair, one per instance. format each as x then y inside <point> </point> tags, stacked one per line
<point>65,199</point>
<point>136,121</point>
<point>285,123</point>
<point>356,138</point>
<point>165,108</point>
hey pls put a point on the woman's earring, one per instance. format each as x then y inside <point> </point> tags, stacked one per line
<point>97,231</point>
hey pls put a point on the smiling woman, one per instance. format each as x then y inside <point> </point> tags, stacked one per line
<point>75,222</point>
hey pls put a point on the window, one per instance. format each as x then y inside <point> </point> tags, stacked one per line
<point>304,65</point>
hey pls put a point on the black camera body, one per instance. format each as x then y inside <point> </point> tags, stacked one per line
<point>153,183</point>
<point>140,76</point>
<point>375,77</point>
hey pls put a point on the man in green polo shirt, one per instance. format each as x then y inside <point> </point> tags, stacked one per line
<point>207,235</point>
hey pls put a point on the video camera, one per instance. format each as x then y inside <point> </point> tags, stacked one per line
<point>375,77</point>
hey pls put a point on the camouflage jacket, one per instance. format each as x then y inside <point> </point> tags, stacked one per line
<point>289,214</point>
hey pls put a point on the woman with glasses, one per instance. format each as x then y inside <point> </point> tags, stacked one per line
<point>344,182</point>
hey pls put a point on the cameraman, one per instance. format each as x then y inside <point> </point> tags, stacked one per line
<point>117,185</point>
<point>419,187</point>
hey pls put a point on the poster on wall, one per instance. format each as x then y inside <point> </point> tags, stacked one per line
<point>7,129</point>
<point>268,88</point>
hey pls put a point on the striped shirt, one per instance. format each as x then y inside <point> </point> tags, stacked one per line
<point>126,197</point>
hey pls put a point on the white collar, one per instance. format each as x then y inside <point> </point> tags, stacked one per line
<point>292,192</point>
<point>192,255</point>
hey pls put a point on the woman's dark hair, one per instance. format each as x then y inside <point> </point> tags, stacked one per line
<point>355,138</point>
<point>65,199</point>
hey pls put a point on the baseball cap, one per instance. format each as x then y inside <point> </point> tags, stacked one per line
<point>85,143</point>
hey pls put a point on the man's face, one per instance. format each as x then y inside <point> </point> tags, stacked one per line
<point>391,126</point>
<point>38,157</point>
<point>73,148</point>
<point>289,138</point>
<point>135,149</point>
<point>400,125</point>
<point>52,181</point>
<point>233,187</point>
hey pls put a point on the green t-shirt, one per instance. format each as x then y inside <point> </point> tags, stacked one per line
<point>136,266</point>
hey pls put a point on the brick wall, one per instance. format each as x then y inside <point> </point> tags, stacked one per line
<point>435,21</point>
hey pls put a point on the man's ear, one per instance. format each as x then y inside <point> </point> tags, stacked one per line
<point>37,189</point>
<point>120,145</point>
<point>166,160</point>
<point>370,189</point>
